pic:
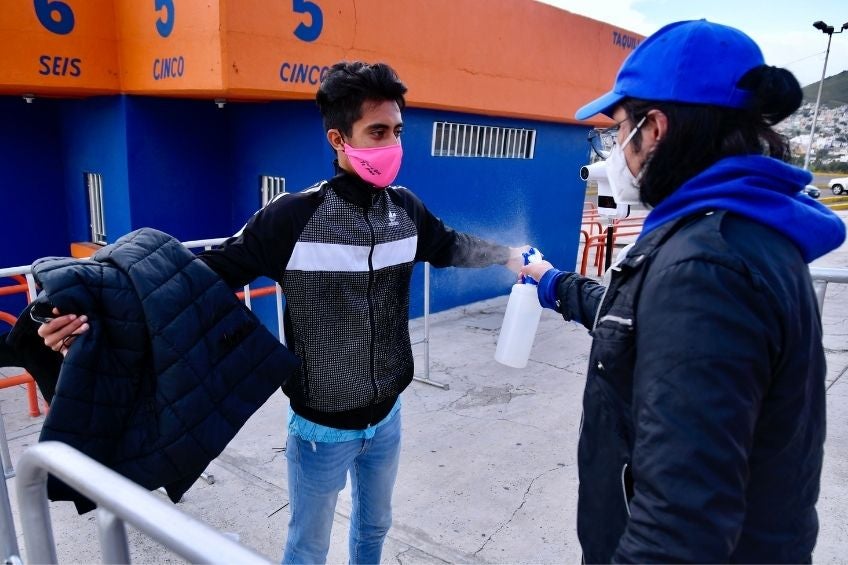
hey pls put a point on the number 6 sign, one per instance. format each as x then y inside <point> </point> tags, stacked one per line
<point>56,17</point>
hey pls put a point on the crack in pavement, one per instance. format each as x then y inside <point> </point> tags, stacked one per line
<point>520,506</point>
<point>513,422</point>
<point>401,554</point>
<point>568,367</point>
<point>277,510</point>
<point>277,452</point>
<point>836,380</point>
<point>233,465</point>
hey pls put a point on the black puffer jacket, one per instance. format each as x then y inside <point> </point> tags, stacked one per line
<point>171,368</point>
<point>704,408</point>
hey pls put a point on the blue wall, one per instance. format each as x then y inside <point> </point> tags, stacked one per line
<point>94,139</point>
<point>192,169</point>
<point>33,205</point>
<point>179,170</point>
<point>282,139</point>
<point>33,217</point>
<point>511,201</point>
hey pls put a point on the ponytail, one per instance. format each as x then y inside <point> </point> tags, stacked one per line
<point>775,92</point>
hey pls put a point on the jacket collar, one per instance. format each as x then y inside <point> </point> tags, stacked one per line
<point>645,246</point>
<point>353,189</point>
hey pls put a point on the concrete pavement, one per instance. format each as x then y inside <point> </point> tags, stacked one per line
<point>488,470</point>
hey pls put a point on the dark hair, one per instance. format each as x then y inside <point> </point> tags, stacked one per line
<point>347,85</point>
<point>698,136</point>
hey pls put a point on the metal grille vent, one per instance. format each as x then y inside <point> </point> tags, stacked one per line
<point>467,140</point>
<point>94,185</point>
<point>271,187</point>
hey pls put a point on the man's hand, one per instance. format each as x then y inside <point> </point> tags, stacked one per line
<point>59,333</point>
<point>536,270</point>
<point>516,258</point>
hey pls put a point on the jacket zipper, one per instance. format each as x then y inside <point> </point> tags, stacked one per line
<point>603,297</point>
<point>624,489</point>
<point>371,307</point>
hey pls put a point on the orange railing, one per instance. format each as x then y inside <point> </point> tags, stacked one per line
<point>621,228</point>
<point>22,378</point>
<point>257,292</point>
<point>20,287</point>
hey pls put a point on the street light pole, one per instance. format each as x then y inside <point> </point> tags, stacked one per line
<point>820,25</point>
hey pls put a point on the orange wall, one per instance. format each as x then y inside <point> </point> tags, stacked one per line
<point>502,57</point>
<point>54,57</point>
<point>175,50</point>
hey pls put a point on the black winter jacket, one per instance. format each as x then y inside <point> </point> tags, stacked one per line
<point>171,368</point>
<point>704,408</point>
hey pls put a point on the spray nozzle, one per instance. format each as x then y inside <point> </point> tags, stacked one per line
<point>532,255</point>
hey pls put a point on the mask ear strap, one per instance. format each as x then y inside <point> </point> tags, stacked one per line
<point>633,131</point>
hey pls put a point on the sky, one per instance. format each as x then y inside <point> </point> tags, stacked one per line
<point>782,28</point>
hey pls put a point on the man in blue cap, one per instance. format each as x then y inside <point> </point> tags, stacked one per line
<point>704,407</point>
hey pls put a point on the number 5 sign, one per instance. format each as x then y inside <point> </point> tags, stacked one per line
<point>165,26</point>
<point>312,31</point>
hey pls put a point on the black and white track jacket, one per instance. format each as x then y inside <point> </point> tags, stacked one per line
<point>343,253</point>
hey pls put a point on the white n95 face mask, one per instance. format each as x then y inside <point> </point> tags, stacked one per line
<point>624,186</point>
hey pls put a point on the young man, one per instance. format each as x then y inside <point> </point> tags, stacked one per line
<point>343,252</point>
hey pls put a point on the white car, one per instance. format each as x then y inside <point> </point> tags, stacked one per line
<point>838,185</point>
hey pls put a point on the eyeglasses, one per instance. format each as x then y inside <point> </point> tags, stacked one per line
<point>602,140</point>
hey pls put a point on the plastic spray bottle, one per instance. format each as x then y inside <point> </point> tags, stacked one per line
<point>521,319</point>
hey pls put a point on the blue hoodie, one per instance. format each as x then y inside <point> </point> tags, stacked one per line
<point>763,189</point>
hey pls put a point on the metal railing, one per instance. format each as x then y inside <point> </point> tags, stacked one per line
<point>9,551</point>
<point>119,501</point>
<point>111,521</point>
<point>26,271</point>
<point>824,275</point>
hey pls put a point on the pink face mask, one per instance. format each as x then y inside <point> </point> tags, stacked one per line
<point>377,165</point>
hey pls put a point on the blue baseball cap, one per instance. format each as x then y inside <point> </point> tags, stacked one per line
<point>694,62</point>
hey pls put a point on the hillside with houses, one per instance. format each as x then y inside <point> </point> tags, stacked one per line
<point>830,140</point>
